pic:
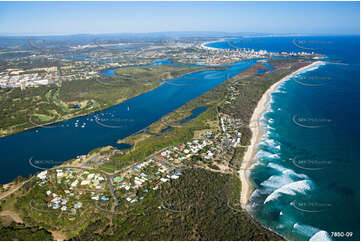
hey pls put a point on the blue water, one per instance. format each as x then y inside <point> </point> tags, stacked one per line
<point>268,66</point>
<point>111,71</point>
<point>67,139</point>
<point>195,113</point>
<point>307,170</point>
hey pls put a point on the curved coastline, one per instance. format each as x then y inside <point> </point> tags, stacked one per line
<point>204,45</point>
<point>257,134</point>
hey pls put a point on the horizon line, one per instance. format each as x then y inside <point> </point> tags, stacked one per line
<point>184,31</point>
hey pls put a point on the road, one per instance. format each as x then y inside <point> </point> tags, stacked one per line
<point>12,215</point>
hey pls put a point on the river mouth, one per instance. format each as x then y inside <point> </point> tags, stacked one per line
<point>78,136</point>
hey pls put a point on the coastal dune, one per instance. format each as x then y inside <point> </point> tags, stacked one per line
<point>257,134</point>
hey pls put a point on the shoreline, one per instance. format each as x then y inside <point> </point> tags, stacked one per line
<point>203,45</point>
<point>257,133</point>
<point>36,126</point>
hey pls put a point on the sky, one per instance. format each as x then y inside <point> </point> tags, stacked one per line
<point>47,18</point>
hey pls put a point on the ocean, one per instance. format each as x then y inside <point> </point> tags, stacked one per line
<point>306,174</point>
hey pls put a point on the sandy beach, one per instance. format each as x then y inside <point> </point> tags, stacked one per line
<point>203,45</point>
<point>257,134</point>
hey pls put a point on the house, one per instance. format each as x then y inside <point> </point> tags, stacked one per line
<point>85,182</point>
<point>95,183</point>
<point>78,205</point>
<point>75,183</point>
<point>174,177</point>
<point>136,167</point>
<point>55,200</point>
<point>42,175</point>
<point>90,176</point>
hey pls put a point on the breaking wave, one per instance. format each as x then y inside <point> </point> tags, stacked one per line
<point>291,189</point>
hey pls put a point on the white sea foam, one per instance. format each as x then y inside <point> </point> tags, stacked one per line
<point>290,189</point>
<point>314,234</point>
<point>262,154</point>
<point>256,194</point>
<point>286,171</point>
<point>305,230</point>
<point>276,166</point>
<point>321,236</point>
<point>269,142</point>
<point>276,181</point>
<point>286,176</point>
<point>312,68</point>
<point>280,226</point>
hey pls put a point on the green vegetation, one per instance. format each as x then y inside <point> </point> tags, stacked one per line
<point>199,200</point>
<point>249,88</point>
<point>24,109</point>
<point>20,232</point>
<point>200,205</point>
